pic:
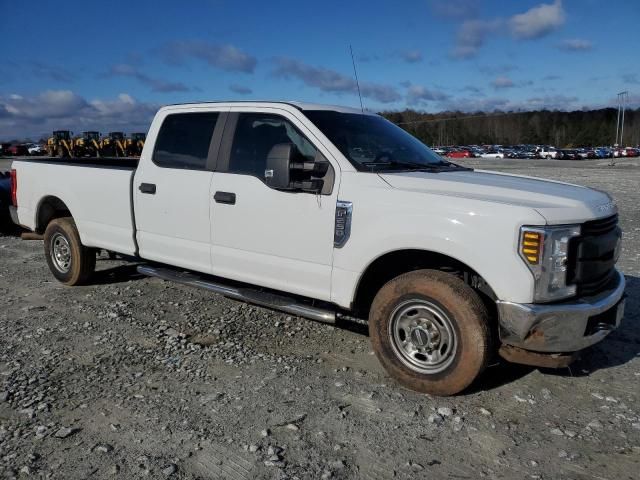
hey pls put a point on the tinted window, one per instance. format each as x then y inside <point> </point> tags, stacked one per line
<point>255,136</point>
<point>183,140</point>
<point>371,142</point>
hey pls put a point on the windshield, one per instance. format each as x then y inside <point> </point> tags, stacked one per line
<point>372,143</point>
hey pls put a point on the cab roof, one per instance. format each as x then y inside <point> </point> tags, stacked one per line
<point>299,105</point>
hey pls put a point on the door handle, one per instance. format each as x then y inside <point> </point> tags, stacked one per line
<point>225,197</point>
<point>148,188</point>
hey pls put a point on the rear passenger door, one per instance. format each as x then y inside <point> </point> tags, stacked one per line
<point>171,189</point>
<point>275,238</point>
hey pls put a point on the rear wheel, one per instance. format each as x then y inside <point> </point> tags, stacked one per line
<point>430,331</point>
<point>70,262</point>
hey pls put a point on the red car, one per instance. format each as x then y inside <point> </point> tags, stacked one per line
<point>17,150</point>
<point>631,152</point>
<point>460,154</point>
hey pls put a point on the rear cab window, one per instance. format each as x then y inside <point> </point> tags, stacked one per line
<point>184,140</point>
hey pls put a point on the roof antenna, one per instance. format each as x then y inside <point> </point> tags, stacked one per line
<point>355,72</point>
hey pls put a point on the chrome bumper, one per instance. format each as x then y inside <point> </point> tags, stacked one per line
<point>562,327</point>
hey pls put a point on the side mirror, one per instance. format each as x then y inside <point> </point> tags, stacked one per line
<point>284,173</point>
<point>278,172</point>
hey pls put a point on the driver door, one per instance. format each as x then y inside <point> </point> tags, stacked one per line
<point>275,238</point>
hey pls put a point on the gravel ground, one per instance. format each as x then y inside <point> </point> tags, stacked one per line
<point>134,377</point>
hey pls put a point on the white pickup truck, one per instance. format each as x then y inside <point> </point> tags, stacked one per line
<point>327,212</point>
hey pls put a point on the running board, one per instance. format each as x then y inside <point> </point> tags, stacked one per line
<point>245,294</point>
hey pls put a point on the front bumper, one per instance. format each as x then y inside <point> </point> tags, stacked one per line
<point>562,327</point>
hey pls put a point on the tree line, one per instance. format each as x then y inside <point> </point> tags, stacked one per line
<point>587,128</point>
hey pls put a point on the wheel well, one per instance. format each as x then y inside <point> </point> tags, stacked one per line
<point>393,264</point>
<point>49,209</point>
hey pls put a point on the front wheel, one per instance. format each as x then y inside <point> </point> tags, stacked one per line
<point>430,331</point>
<point>70,262</point>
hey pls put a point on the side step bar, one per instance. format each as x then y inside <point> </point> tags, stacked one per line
<point>245,294</point>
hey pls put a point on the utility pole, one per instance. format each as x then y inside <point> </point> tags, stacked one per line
<point>625,98</point>
<point>622,105</point>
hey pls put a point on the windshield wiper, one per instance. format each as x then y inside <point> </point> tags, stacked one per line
<point>442,166</point>
<point>449,166</point>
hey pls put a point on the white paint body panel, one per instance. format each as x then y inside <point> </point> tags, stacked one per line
<point>285,241</point>
<point>98,198</point>
<point>281,240</point>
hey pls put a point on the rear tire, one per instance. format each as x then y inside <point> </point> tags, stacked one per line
<point>70,262</point>
<point>431,332</point>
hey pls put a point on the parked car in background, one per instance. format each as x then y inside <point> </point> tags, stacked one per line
<point>35,149</point>
<point>603,152</point>
<point>18,150</point>
<point>619,152</point>
<point>492,153</point>
<point>546,152</point>
<point>526,154</point>
<point>568,155</point>
<point>4,148</point>
<point>460,153</point>
<point>585,153</point>
<point>631,152</point>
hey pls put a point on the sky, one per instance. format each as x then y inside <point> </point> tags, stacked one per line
<point>110,65</point>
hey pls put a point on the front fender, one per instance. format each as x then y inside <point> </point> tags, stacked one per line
<point>482,235</point>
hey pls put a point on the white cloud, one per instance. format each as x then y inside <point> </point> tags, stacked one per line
<point>472,35</point>
<point>329,80</point>
<point>224,57</point>
<point>534,23</point>
<point>537,21</point>
<point>549,102</point>
<point>156,84</point>
<point>38,115</point>
<point>418,94</point>
<point>502,82</point>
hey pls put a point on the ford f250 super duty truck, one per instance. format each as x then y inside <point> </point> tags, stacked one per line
<point>324,212</point>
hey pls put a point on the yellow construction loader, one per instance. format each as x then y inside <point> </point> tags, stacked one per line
<point>113,145</point>
<point>134,144</point>
<point>60,144</point>
<point>87,145</point>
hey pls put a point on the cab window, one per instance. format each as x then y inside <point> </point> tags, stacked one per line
<point>256,134</point>
<point>184,140</point>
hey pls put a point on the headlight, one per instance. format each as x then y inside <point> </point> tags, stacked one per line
<point>545,250</point>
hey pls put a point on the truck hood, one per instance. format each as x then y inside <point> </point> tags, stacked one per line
<point>557,202</point>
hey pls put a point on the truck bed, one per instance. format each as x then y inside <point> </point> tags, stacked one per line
<point>96,191</point>
<point>129,163</point>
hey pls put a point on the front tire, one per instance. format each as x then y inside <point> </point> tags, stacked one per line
<point>430,331</point>
<point>70,262</point>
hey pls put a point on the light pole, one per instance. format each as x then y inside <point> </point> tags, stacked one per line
<point>622,105</point>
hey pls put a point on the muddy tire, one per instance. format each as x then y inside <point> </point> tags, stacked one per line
<point>430,331</point>
<point>70,262</point>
